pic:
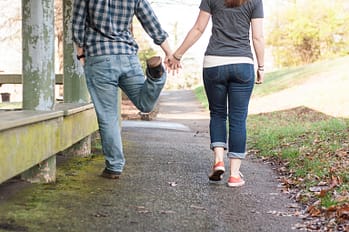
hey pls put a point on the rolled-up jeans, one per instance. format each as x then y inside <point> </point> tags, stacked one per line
<point>228,89</point>
<point>104,75</point>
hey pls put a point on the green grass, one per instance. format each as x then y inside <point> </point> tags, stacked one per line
<point>10,105</point>
<point>29,209</point>
<point>201,96</point>
<point>307,146</point>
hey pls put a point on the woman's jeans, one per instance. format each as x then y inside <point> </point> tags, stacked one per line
<point>104,75</point>
<point>233,83</point>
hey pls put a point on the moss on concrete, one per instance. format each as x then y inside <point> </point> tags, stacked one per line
<point>34,208</point>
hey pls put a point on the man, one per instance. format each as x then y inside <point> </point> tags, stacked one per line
<point>105,46</point>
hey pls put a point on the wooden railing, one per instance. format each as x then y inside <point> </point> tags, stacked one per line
<point>17,79</point>
<point>28,137</point>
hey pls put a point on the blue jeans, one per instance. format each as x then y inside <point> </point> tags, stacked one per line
<point>233,83</point>
<point>104,75</point>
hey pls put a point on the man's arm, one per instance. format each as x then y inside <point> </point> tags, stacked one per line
<point>78,26</point>
<point>150,22</point>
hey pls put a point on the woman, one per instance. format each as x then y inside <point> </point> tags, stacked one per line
<point>228,74</point>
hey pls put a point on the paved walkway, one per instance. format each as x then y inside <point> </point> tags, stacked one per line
<point>326,93</point>
<point>165,187</point>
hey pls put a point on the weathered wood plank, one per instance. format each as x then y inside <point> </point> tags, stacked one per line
<point>17,79</point>
<point>41,135</point>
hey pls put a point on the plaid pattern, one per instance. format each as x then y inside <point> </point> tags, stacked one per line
<point>103,27</point>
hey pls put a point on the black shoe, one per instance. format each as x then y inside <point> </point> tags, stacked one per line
<point>154,67</point>
<point>110,174</point>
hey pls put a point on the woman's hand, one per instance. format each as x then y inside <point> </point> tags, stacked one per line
<point>173,63</point>
<point>260,76</point>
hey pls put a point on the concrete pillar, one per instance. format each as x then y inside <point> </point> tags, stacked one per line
<point>38,54</point>
<point>75,89</point>
<point>80,149</point>
<point>45,172</point>
<point>38,37</point>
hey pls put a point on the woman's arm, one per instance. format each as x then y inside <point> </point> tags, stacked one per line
<point>258,44</point>
<point>193,35</point>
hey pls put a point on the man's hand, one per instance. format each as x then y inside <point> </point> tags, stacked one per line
<point>80,53</point>
<point>173,64</point>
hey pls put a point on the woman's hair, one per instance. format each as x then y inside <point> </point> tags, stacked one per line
<point>233,3</point>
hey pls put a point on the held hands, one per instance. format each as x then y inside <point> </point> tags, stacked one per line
<point>173,63</point>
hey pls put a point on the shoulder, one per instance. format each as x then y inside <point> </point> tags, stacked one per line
<point>255,2</point>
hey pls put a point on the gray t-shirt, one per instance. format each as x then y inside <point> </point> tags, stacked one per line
<point>231,27</point>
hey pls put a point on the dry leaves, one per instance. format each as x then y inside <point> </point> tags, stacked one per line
<point>316,216</point>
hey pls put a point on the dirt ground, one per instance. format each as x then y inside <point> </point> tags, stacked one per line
<point>130,112</point>
<point>327,93</point>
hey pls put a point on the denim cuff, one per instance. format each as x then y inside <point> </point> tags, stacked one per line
<point>235,155</point>
<point>218,144</point>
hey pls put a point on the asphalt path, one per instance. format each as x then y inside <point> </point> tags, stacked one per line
<point>164,186</point>
<point>167,172</point>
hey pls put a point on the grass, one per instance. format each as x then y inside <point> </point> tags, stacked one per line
<point>75,185</point>
<point>10,105</point>
<point>310,148</point>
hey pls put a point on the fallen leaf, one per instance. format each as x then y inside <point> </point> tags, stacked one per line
<point>343,212</point>
<point>342,198</point>
<point>332,208</point>
<point>283,169</point>
<point>173,184</point>
<point>324,192</point>
<point>335,181</point>
<point>316,189</point>
<point>99,214</point>
<point>294,206</point>
<point>322,183</point>
<point>143,211</point>
<point>314,211</point>
<point>167,212</point>
<point>197,207</point>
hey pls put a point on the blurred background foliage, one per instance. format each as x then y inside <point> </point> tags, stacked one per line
<point>298,32</point>
<point>309,31</point>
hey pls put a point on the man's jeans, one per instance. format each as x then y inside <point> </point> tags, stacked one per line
<point>104,74</point>
<point>234,83</point>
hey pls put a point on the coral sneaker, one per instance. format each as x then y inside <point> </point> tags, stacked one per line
<point>235,181</point>
<point>217,172</point>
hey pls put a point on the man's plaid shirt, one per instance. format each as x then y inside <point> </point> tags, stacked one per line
<point>103,27</point>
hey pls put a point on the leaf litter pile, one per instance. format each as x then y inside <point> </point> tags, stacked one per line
<point>310,152</point>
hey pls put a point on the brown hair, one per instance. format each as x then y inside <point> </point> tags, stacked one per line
<point>234,3</point>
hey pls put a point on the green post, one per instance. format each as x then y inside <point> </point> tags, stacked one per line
<point>38,36</point>
<point>75,89</point>
<point>38,54</point>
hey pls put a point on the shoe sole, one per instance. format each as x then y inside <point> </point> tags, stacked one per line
<point>154,62</point>
<point>236,184</point>
<point>110,176</point>
<point>217,174</point>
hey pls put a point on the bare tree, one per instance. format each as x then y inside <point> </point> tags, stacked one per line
<point>59,33</point>
<point>10,23</point>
